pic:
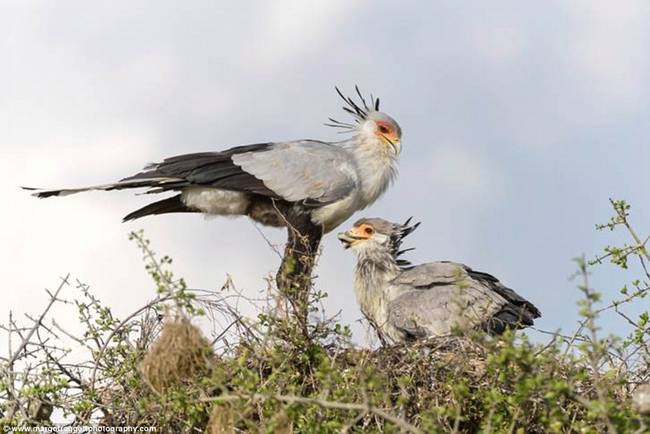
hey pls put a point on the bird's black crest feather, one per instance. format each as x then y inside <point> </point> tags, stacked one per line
<point>401,232</point>
<point>359,111</point>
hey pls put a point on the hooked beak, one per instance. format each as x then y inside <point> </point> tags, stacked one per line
<point>393,144</point>
<point>347,239</point>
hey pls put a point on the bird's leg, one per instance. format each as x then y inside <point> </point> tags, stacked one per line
<point>294,276</point>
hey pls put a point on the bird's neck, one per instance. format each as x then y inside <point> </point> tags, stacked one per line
<point>376,265</point>
<point>374,271</point>
<point>376,164</point>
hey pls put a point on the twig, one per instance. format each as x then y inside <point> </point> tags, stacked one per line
<point>594,352</point>
<point>119,327</point>
<point>640,244</point>
<point>38,322</point>
<point>292,399</point>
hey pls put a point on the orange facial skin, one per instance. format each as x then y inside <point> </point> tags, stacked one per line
<point>387,131</point>
<point>363,231</point>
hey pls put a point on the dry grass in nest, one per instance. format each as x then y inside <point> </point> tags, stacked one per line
<point>181,354</point>
<point>433,359</point>
<point>448,354</point>
<point>446,351</point>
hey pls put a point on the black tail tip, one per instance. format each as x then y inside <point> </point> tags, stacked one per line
<point>41,194</point>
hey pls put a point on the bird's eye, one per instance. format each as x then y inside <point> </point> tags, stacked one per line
<point>369,230</point>
<point>384,129</point>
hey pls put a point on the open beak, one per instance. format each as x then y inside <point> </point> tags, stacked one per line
<point>347,239</point>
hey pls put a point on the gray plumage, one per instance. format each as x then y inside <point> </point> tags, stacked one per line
<point>282,169</point>
<point>329,181</point>
<point>404,302</point>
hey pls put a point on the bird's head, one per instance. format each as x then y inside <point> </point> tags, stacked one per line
<point>369,122</point>
<point>376,234</point>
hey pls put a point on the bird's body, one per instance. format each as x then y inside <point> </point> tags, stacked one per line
<point>327,180</point>
<point>432,299</point>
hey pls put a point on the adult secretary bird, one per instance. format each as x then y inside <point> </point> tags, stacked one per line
<point>404,302</point>
<point>310,186</point>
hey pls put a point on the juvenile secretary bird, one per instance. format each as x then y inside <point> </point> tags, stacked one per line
<point>404,302</point>
<point>309,186</point>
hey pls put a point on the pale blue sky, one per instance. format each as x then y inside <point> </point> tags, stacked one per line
<point>520,119</point>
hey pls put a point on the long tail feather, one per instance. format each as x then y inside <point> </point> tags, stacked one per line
<point>136,183</point>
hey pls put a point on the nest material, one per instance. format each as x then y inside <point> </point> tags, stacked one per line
<point>451,351</point>
<point>429,365</point>
<point>180,355</point>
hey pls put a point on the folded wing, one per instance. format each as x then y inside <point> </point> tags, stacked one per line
<point>312,172</point>
<point>439,296</point>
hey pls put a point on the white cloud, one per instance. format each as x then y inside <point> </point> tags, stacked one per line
<point>499,38</point>
<point>608,49</point>
<point>294,27</point>
<point>456,169</point>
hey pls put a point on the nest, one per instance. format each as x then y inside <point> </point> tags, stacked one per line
<point>430,364</point>
<point>452,352</point>
<point>180,355</point>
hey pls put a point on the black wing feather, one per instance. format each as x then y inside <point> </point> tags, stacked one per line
<point>209,169</point>
<point>518,313</point>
